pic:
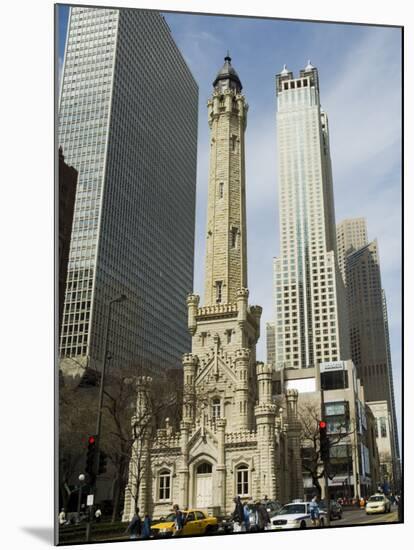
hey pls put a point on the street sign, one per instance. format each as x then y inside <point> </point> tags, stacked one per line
<point>89,500</point>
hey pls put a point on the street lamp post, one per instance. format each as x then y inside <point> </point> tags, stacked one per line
<point>81,480</point>
<point>118,299</point>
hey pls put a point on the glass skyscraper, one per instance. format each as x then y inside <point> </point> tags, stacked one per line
<point>368,319</point>
<point>309,293</point>
<point>128,125</point>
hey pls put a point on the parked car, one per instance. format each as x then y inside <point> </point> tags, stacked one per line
<point>336,509</point>
<point>196,522</point>
<point>378,504</point>
<point>295,515</point>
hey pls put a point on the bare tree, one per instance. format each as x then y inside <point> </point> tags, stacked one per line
<point>78,399</point>
<point>309,415</point>
<point>148,404</point>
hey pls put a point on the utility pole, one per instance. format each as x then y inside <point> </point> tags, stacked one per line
<point>120,298</point>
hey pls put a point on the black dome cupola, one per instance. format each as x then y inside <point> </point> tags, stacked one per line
<point>227,77</point>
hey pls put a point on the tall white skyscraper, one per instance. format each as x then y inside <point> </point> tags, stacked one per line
<point>128,124</point>
<point>309,294</point>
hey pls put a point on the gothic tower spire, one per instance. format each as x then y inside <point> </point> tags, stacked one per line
<point>226,261</point>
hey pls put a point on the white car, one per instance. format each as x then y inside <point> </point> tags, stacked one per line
<point>295,515</point>
<point>378,504</point>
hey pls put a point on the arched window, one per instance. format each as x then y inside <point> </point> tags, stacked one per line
<point>242,480</point>
<point>164,492</point>
<point>204,468</point>
<point>216,408</point>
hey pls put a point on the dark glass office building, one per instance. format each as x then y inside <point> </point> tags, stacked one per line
<point>128,124</point>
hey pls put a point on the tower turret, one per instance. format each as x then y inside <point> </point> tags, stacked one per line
<point>226,262</point>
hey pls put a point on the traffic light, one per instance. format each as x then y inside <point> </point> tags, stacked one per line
<point>102,462</point>
<point>91,457</point>
<point>323,441</point>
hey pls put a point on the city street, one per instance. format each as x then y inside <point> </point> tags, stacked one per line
<point>359,517</point>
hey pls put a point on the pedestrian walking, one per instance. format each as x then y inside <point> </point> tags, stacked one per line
<point>179,521</point>
<point>263,518</point>
<point>134,527</point>
<point>246,517</point>
<point>238,514</point>
<point>62,517</point>
<point>146,527</point>
<point>314,511</point>
<point>98,515</point>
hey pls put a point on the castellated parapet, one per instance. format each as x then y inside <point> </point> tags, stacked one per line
<point>243,355</point>
<point>292,402</point>
<point>190,360</point>
<point>192,304</point>
<point>263,370</point>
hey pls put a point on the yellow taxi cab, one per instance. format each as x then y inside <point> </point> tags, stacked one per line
<point>196,522</point>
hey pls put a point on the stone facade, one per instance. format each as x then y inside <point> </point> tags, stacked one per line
<point>233,440</point>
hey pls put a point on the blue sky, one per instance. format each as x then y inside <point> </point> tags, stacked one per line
<point>360,81</point>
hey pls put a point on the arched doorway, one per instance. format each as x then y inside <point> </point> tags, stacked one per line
<point>204,485</point>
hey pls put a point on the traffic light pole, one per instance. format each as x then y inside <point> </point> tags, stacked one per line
<point>328,500</point>
<point>325,469</point>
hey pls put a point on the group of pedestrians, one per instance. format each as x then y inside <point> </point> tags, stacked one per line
<point>138,528</point>
<point>76,517</point>
<point>250,516</point>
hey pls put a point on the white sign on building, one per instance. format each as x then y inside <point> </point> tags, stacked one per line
<point>303,385</point>
<point>332,365</point>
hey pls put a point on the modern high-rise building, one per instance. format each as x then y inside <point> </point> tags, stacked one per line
<point>128,124</point>
<point>311,321</point>
<point>270,344</point>
<point>396,449</point>
<point>368,324</point>
<point>351,234</point>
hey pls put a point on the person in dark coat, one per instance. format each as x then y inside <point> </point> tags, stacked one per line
<point>134,526</point>
<point>238,513</point>
<point>146,527</point>
<point>262,516</point>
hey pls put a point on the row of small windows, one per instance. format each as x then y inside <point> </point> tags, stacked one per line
<point>295,84</point>
<point>165,480</point>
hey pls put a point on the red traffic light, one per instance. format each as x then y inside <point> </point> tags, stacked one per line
<point>322,424</point>
<point>91,439</point>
